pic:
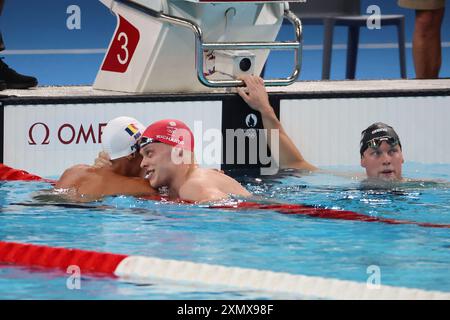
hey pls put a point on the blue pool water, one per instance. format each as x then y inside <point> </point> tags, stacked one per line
<point>407,255</point>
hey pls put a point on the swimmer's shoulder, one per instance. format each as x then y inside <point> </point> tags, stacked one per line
<point>224,183</point>
<point>196,190</point>
<point>79,169</point>
<point>211,177</point>
<point>73,175</point>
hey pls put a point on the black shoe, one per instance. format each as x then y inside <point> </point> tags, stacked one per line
<point>2,85</point>
<point>15,80</point>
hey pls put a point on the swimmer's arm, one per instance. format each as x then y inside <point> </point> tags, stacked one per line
<point>89,182</point>
<point>133,186</point>
<point>290,156</point>
<point>95,187</point>
<point>258,99</point>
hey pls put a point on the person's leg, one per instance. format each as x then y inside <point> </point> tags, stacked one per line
<point>9,78</point>
<point>427,43</point>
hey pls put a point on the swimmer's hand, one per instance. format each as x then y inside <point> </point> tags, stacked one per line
<point>103,160</point>
<point>255,94</point>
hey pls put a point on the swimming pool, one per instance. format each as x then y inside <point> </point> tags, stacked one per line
<point>407,255</point>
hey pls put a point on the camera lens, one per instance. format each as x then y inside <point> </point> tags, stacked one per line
<point>245,64</point>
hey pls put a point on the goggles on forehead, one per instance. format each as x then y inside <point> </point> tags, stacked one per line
<point>142,142</point>
<point>376,142</point>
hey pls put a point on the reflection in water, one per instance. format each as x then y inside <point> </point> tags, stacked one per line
<point>408,255</point>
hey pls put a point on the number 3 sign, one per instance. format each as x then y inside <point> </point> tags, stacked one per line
<point>122,48</point>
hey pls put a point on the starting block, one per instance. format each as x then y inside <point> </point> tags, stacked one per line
<point>194,45</point>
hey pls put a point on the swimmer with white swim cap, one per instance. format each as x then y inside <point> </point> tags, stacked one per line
<point>124,176</point>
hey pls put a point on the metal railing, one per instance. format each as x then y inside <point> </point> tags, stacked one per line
<point>200,46</point>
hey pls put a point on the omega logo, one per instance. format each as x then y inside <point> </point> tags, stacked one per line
<point>31,140</point>
<point>39,133</point>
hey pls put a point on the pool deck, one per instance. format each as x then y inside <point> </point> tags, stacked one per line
<point>300,87</point>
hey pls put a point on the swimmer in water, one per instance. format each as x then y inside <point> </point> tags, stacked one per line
<point>124,176</point>
<point>380,149</point>
<point>381,153</point>
<point>167,149</point>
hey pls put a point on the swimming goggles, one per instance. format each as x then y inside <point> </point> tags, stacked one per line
<point>376,142</point>
<point>142,142</point>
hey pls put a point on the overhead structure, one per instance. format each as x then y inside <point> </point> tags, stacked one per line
<point>194,45</point>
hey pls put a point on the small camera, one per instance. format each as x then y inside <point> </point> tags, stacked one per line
<point>234,63</point>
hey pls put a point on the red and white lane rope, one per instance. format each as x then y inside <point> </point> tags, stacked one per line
<point>62,258</point>
<point>139,269</point>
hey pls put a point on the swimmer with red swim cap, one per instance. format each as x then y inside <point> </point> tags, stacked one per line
<point>167,148</point>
